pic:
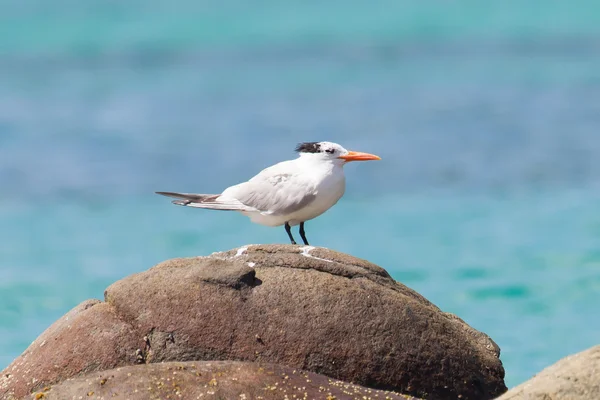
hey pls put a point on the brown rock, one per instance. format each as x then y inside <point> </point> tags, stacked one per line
<point>306,308</point>
<point>576,377</point>
<point>90,337</point>
<point>210,379</point>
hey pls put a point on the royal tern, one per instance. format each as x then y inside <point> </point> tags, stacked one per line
<point>288,193</point>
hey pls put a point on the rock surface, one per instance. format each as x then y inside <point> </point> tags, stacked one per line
<point>576,377</point>
<point>302,307</point>
<point>90,337</point>
<point>209,379</point>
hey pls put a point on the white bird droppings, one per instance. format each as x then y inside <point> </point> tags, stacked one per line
<point>306,250</point>
<point>306,253</point>
<point>251,264</point>
<point>241,251</point>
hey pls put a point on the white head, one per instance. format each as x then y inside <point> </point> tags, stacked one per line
<point>328,151</point>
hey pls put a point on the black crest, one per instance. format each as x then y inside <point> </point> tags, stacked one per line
<point>308,147</point>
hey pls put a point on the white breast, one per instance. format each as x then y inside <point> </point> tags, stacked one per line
<point>330,188</point>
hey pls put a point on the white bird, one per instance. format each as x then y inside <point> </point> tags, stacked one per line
<point>288,193</point>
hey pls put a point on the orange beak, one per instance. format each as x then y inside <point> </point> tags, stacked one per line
<point>358,156</point>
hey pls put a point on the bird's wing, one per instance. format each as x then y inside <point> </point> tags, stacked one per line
<point>277,190</point>
<point>211,201</point>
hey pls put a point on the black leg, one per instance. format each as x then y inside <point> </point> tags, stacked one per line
<point>302,234</point>
<point>289,232</point>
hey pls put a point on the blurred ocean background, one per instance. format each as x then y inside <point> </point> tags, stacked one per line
<point>486,116</point>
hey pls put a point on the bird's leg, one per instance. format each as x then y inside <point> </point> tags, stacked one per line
<point>289,232</point>
<point>302,234</point>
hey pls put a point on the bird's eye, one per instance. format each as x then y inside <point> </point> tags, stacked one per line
<point>330,151</point>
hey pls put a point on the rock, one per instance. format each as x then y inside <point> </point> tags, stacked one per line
<point>302,307</point>
<point>576,377</point>
<point>89,337</point>
<point>209,379</point>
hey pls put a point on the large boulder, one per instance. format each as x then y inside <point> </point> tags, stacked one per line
<point>209,379</point>
<point>302,307</point>
<point>576,377</point>
<point>90,337</point>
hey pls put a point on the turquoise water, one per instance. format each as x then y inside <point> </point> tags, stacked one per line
<point>486,117</point>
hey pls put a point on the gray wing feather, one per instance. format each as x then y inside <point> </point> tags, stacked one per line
<point>276,190</point>
<point>190,196</point>
<point>278,194</point>
<point>210,201</point>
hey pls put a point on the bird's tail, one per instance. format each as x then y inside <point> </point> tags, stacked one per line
<point>210,201</point>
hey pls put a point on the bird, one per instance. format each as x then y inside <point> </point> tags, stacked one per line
<point>288,193</point>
